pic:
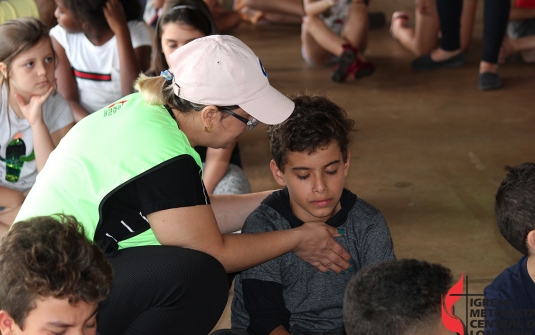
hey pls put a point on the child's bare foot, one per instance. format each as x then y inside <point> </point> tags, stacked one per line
<point>399,19</point>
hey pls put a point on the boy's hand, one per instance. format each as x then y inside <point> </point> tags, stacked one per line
<point>318,247</point>
<point>115,16</point>
<point>33,111</point>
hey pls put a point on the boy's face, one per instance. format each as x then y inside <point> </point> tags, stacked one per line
<point>54,316</point>
<point>315,182</point>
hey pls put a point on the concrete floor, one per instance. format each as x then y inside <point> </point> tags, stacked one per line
<point>430,149</point>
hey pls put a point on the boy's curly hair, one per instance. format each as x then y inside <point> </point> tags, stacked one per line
<point>49,256</point>
<point>396,297</point>
<point>314,124</point>
<point>515,205</point>
<point>92,11</point>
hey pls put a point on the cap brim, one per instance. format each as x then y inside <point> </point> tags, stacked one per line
<point>271,108</point>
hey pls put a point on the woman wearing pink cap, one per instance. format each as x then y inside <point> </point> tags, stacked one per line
<point>137,188</point>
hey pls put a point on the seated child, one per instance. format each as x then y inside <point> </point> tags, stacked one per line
<point>310,158</point>
<point>101,49</point>
<point>52,278</point>
<point>398,297</point>
<point>337,30</point>
<point>513,291</point>
<point>521,31</point>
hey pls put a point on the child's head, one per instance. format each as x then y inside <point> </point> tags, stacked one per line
<point>27,59</point>
<point>397,297</point>
<point>515,207</point>
<point>81,15</point>
<point>52,277</point>
<point>180,22</point>
<point>310,155</point>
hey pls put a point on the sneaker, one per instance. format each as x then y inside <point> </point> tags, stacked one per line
<point>346,64</point>
<point>363,69</point>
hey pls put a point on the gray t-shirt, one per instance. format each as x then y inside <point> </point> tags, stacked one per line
<point>314,299</point>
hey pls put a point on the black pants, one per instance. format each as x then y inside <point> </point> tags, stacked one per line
<point>495,17</point>
<point>163,290</point>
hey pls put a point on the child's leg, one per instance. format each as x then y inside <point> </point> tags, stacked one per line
<point>355,30</point>
<point>467,22</point>
<point>293,7</point>
<point>319,42</point>
<point>10,201</point>
<point>424,37</point>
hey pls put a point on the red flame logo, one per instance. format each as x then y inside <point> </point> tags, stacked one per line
<point>450,321</point>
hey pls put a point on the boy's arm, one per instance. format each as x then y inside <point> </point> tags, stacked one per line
<point>264,301</point>
<point>377,243</point>
<point>262,285</point>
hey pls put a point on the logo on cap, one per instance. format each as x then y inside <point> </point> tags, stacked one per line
<point>262,68</point>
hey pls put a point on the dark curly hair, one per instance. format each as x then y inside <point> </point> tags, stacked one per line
<point>515,205</point>
<point>92,11</point>
<point>314,124</point>
<point>396,297</point>
<point>49,256</point>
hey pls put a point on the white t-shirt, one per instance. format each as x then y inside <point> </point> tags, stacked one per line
<point>96,68</point>
<point>19,155</point>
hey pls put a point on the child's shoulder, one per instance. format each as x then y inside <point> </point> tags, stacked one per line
<point>265,218</point>
<point>362,207</point>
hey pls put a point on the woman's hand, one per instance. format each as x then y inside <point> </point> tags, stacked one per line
<point>318,247</point>
<point>33,110</point>
<point>114,13</point>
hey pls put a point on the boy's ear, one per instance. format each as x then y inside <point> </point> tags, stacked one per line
<point>531,242</point>
<point>208,115</point>
<point>6,323</point>
<point>346,163</point>
<point>277,173</point>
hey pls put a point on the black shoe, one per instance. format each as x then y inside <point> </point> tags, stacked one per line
<point>377,20</point>
<point>425,62</point>
<point>489,81</point>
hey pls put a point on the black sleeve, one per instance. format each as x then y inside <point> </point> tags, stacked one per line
<point>173,184</point>
<point>265,304</point>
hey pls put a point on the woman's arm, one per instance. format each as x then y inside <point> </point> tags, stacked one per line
<point>114,13</point>
<point>231,210</point>
<point>316,7</point>
<point>196,228</point>
<point>217,161</point>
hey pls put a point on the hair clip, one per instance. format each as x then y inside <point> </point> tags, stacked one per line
<point>167,75</point>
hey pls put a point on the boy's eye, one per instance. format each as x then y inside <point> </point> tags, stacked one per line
<point>91,325</point>
<point>302,177</point>
<point>333,172</point>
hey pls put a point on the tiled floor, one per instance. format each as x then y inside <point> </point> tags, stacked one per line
<point>430,150</point>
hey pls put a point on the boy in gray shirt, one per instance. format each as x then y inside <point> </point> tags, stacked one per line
<point>310,158</point>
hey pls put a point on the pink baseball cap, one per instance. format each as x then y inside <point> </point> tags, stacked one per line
<point>221,70</point>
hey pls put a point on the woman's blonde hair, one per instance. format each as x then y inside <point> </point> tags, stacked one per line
<point>159,91</point>
<point>18,36</point>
